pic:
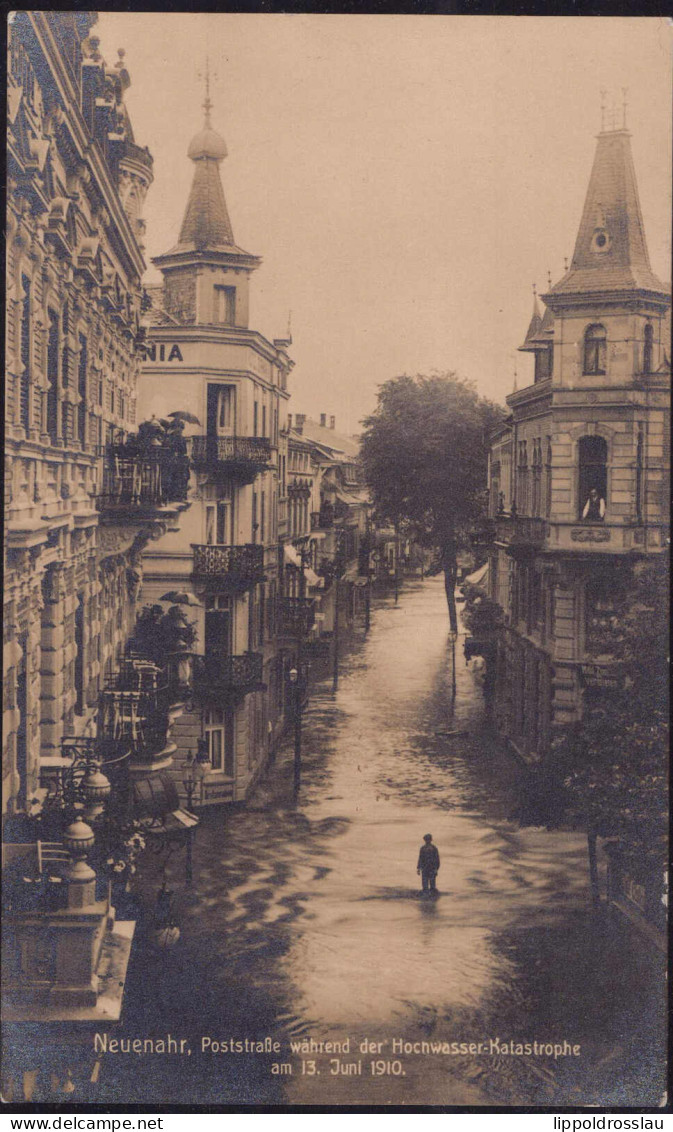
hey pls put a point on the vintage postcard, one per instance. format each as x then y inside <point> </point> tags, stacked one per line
<point>337,494</point>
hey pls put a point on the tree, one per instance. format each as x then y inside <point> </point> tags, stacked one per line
<point>425,452</point>
<point>613,766</point>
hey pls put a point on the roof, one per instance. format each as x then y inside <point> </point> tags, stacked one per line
<point>611,249</point>
<point>206,222</point>
<point>328,438</point>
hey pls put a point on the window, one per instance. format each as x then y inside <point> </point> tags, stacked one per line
<point>255,414</point>
<point>522,478</point>
<point>218,627</point>
<point>217,731</point>
<point>52,376</point>
<point>81,388</point>
<point>262,518</point>
<point>595,344</point>
<point>648,343</point>
<point>639,476</point>
<point>263,420</point>
<point>593,477</point>
<point>25,354</point>
<point>548,480</point>
<point>543,363</point>
<point>254,516</point>
<point>225,407</point>
<point>218,523</point>
<point>225,306</point>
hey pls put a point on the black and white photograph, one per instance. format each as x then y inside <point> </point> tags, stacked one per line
<point>336,572</point>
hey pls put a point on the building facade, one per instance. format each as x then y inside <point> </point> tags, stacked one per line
<point>580,472</point>
<point>79,510</point>
<point>202,356</point>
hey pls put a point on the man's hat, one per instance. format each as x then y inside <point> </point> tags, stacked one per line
<point>427,837</point>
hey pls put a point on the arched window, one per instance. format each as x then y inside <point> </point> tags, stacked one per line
<point>593,478</point>
<point>648,343</point>
<point>595,340</point>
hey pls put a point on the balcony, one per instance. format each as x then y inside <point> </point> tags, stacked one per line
<point>218,676</point>
<point>136,721</point>
<point>521,532</point>
<point>137,481</point>
<point>322,520</point>
<point>295,616</point>
<point>228,567</point>
<point>240,456</point>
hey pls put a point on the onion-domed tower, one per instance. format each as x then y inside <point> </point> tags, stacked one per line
<point>206,276</point>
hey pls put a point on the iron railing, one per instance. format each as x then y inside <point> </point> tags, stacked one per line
<point>295,616</point>
<point>218,674</point>
<point>521,530</point>
<point>136,720</point>
<point>236,566</point>
<point>149,477</point>
<point>249,453</point>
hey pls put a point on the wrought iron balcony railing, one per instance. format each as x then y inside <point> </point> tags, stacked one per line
<point>295,616</point>
<point>235,567</point>
<point>521,530</point>
<point>135,720</point>
<point>243,456</point>
<point>218,675</point>
<point>141,478</point>
<point>322,520</point>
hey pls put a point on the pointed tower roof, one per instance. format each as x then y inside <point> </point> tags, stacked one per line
<point>534,324</point>
<point>611,250</point>
<point>206,226</point>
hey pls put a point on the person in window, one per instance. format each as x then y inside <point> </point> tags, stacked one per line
<point>594,508</point>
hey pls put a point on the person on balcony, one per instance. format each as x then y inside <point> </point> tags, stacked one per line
<point>594,508</point>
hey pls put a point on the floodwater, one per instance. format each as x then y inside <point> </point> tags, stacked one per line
<point>305,923</point>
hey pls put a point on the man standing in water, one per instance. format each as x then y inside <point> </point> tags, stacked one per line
<point>428,864</point>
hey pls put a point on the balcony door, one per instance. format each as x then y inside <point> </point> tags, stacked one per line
<point>219,627</point>
<point>219,523</point>
<point>221,410</point>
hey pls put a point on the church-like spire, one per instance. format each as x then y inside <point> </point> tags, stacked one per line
<point>206,224</point>
<point>611,250</point>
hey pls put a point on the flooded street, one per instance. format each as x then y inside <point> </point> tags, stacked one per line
<point>305,923</point>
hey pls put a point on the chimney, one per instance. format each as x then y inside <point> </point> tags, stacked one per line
<point>323,420</point>
<point>299,419</point>
<point>289,420</point>
<point>332,422</point>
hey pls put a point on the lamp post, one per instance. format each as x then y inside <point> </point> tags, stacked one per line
<point>192,776</point>
<point>296,697</point>
<point>453,637</point>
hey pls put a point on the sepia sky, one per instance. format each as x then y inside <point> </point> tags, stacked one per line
<point>405,178</point>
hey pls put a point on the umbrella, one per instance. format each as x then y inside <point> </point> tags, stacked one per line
<point>180,597</point>
<point>183,415</point>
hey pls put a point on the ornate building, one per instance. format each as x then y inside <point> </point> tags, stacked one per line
<point>80,506</point>
<point>579,474</point>
<point>202,356</point>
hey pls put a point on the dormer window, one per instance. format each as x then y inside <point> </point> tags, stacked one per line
<point>595,349</point>
<point>225,306</point>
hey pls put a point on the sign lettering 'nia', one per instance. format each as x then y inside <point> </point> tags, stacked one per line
<point>175,354</point>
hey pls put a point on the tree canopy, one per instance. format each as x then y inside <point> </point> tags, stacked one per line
<point>425,455</point>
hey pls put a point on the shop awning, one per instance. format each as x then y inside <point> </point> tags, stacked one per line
<point>293,557</point>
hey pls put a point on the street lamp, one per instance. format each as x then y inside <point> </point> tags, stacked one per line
<point>193,774</point>
<point>453,637</point>
<point>296,693</point>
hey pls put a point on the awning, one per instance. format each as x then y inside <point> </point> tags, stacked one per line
<point>479,578</point>
<point>348,497</point>
<point>291,555</point>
